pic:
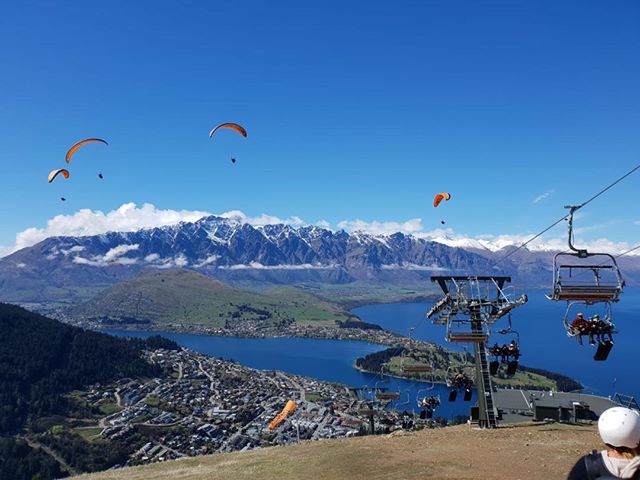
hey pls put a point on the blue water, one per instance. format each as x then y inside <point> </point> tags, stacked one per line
<point>327,360</point>
<point>543,340</point>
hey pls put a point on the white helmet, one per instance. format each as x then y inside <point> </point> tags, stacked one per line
<point>620,427</point>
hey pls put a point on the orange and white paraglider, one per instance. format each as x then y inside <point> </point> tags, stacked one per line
<point>54,173</point>
<point>439,197</point>
<point>231,126</point>
<point>75,148</point>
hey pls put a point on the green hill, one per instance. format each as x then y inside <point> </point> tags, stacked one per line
<point>184,297</point>
<point>41,362</point>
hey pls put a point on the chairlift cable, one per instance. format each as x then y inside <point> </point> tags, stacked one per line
<point>628,251</point>
<point>583,204</point>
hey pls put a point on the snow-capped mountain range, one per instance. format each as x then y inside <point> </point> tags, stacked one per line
<point>61,268</point>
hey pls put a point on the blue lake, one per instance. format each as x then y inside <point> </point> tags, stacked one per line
<point>327,360</point>
<point>543,341</point>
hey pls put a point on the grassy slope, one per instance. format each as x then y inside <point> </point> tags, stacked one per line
<point>356,294</point>
<point>523,452</point>
<point>184,296</point>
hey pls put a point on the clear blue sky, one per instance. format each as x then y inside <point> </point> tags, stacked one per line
<point>359,109</point>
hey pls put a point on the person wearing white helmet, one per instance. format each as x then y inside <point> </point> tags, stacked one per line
<point>619,428</point>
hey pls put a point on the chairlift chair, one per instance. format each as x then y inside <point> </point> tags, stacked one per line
<point>579,275</point>
<point>455,387</point>
<point>512,365</point>
<point>582,277</point>
<point>382,393</point>
<point>406,367</point>
<point>604,345</point>
<point>456,334</point>
<point>427,404</point>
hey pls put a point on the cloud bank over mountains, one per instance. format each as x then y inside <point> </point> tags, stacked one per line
<point>130,217</point>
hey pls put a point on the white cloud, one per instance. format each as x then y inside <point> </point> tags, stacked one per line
<point>127,218</point>
<point>259,266</point>
<point>181,261</point>
<point>375,227</point>
<point>412,266</point>
<point>260,220</point>
<point>113,256</point>
<point>74,249</point>
<point>118,251</point>
<point>85,261</point>
<point>130,217</point>
<point>543,196</point>
<point>207,261</point>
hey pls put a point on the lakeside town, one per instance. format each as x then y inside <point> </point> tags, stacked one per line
<point>207,405</point>
<point>352,330</point>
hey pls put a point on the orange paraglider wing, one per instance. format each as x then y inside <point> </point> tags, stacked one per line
<point>232,126</point>
<point>439,197</point>
<point>54,173</point>
<point>286,411</point>
<point>73,149</point>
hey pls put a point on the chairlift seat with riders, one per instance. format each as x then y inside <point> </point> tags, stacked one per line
<point>506,354</point>
<point>584,278</point>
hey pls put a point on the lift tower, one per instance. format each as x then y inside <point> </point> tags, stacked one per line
<point>469,305</point>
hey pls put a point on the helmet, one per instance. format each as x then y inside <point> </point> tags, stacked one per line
<point>620,427</point>
<point>596,316</point>
<point>580,315</point>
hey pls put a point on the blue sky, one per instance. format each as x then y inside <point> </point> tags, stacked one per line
<point>355,110</point>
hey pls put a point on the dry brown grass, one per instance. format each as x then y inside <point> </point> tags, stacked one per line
<point>524,452</point>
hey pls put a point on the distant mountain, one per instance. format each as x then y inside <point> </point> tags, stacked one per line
<point>178,296</point>
<point>74,269</point>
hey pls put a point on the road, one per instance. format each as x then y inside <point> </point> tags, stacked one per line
<point>51,453</point>
<point>207,374</point>
<point>295,385</point>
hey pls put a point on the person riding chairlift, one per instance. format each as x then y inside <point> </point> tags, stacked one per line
<point>579,327</point>
<point>602,328</point>
<point>513,350</point>
<point>429,402</point>
<point>504,352</point>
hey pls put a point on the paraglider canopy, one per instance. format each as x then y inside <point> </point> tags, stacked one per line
<point>73,149</point>
<point>439,197</point>
<point>232,126</point>
<point>54,173</point>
